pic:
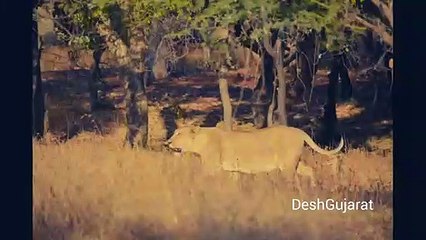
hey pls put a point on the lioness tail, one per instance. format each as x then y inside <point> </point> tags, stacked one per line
<point>318,149</point>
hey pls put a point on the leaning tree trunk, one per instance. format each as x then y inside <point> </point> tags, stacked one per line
<point>226,103</point>
<point>136,100</point>
<point>38,98</point>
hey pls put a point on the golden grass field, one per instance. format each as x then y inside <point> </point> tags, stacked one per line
<point>92,188</point>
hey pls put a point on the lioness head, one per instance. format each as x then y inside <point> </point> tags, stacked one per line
<point>184,139</point>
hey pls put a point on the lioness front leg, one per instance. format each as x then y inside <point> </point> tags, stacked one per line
<point>307,171</point>
<point>296,182</point>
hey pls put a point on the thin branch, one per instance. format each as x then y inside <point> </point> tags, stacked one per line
<point>57,22</point>
<point>177,57</point>
<point>379,29</point>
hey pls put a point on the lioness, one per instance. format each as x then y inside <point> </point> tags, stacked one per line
<point>261,150</point>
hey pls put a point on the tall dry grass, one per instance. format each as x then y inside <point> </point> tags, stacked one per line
<point>92,188</point>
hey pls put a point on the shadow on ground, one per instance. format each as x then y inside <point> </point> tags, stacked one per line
<point>69,110</point>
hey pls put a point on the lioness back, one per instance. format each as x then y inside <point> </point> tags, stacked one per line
<point>260,150</point>
<point>275,136</point>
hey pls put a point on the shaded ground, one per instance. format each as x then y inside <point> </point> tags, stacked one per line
<point>199,97</point>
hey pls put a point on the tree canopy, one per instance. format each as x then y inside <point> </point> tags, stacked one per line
<point>340,20</point>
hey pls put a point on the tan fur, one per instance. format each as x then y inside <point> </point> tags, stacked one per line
<point>261,150</point>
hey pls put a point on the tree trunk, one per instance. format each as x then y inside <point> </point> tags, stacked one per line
<point>345,86</point>
<point>206,57</point>
<point>38,97</point>
<point>95,83</point>
<point>281,98</point>
<point>162,56</point>
<point>274,49</point>
<point>265,84</point>
<point>270,117</point>
<point>329,123</point>
<point>268,80</point>
<point>136,100</point>
<point>305,62</point>
<point>151,63</point>
<point>226,103</point>
<point>136,110</point>
<point>247,54</point>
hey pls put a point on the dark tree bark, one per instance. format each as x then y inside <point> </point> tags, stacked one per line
<point>151,54</point>
<point>272,106</point>
<point>38,98</point>
<point>95,83</point>
<point>263,92</point>
<point>136,100</point>
<point>329,121</point>
<point>267,82</point>
<point>346,85</point>
<point>282,88</point>
<point>136,110</point>
<point>305,62</point>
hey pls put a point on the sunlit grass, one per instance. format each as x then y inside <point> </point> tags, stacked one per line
<point>92,188</point>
